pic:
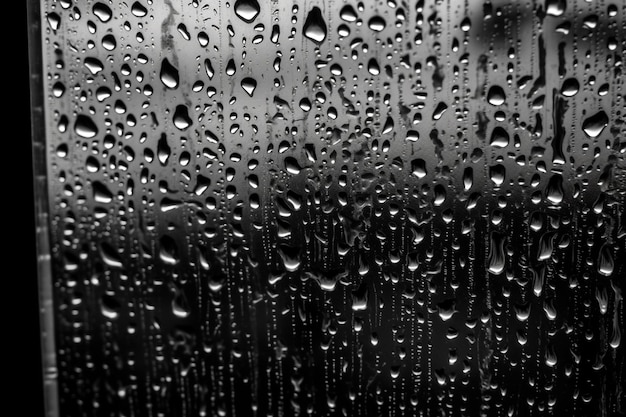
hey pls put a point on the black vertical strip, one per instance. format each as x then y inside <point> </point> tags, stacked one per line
<point>562,70</point>
<point>42,275</point>
<point>558,114</point>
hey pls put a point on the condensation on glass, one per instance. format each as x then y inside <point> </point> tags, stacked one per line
<point>329,208</point>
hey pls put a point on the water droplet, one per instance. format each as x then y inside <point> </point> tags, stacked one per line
<point>163,150</point>
<point>169,74</point>
<point>555,7</point>
<point>247,10</point>
<point>110,306</point>
<point>551,358</point>
<point>326,281</point>
<point>315,26</point>
<point>101,193</point>
<point>439,110</point>
<point>292,166</point>
<point>522,311</point>
<point>168,252</point>
<point>102,93</point>
<point>549,309</point>
<point>208,67</point>
<point>102,12</point>
<point>377,24</point>
<point>594,125</point>
<point>591,21</point>
<point>108,42</point>
<point>54,20</point>
<point>249,85</point>
<point>499,137</point>
<point>58,89</point>
<point>85,127</point>
<point>412,136</point>
<point>446,309</point>
<point>616,333</point>
<point>468,178</point>
<point>181,117</point>
<point>546,246</point>
<point>373,67</point>
<point>180,305</point>
<point>92,165</point>
<point>496,95</point>
<point>606,264</point>
<point>290,255</point>
<point>202,184</point>
<point>231,68</point>
<point>348,14</point>
<point>418,168</point>
<point>496,258</point>
<point>497,174</point>
<point>359,298</point>
<point>570,87</point>
<point>388,127</point>
<point>94,65</point>
<point>466,24</point>
<point>554,190</point>
<point>110,256</point>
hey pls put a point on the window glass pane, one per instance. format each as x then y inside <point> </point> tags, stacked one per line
<point>333,208</point>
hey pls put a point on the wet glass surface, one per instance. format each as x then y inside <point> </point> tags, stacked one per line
<point>334,208</point>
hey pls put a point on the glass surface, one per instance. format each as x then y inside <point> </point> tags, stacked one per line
<point>327,208</point>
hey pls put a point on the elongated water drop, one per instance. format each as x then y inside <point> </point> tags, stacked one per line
<point>290,255</point>
<point>110,256</point>
<point>315,26</point>
<point>496,95</point>
<point>360,298</point>
<point>499,137</point>
<point>249,85</point>
<point>181,117</point>
<point>110,307</point>
<point>418,168</point>
<point>169,74</point>
<point>554,190</point>
<point>439,110</point>
<point>606,264</point>
<point>168,251</point>
<point>496,259</point>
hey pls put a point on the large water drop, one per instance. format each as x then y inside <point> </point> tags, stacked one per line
<point>315,26</point>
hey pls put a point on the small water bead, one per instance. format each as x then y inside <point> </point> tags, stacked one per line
<point>169,74</point>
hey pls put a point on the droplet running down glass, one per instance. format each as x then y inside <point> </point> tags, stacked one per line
<point>333,208</point>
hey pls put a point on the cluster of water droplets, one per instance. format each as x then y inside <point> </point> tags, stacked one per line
<point>337,208</point>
